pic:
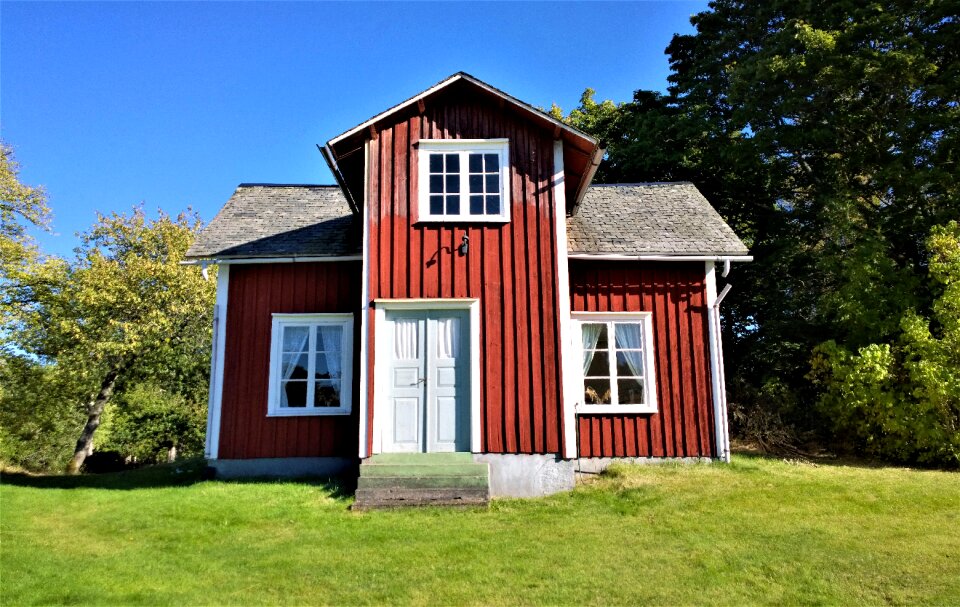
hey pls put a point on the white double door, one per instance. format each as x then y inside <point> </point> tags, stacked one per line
<point>427,406</point>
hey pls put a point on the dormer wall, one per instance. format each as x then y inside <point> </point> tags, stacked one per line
<point>510,266</point>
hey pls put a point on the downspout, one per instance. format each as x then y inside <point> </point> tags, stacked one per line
<point>718,384</point>
<point>725,453</point>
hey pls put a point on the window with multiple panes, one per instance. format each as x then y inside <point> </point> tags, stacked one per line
<point>464,180</point>
<point>311,364</point>
<point>617,363</point>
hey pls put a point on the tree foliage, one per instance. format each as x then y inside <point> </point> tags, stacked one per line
<point>123,313</point>
<point>826,134</point>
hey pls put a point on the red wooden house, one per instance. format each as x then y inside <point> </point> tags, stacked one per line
<point>466,289</point>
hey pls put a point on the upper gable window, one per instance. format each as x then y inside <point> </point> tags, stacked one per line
<point>464,180</point>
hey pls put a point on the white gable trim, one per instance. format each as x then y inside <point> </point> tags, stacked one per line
<point>442,85</point>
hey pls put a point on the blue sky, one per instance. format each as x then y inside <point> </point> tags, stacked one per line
<point>109,105</point>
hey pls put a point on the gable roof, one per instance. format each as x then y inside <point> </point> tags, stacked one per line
<point>670,219</point>
<point>275,220</point>
<point>267,220</point>
<point>581,152</point>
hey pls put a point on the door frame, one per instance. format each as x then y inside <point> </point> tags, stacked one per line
<point>381,362</point>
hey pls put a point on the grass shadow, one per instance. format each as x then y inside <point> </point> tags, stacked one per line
<point>177,474</point>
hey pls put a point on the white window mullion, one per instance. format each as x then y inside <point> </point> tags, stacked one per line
<point>311,365</point>
<point>464,184</point>
<point>612,362</point>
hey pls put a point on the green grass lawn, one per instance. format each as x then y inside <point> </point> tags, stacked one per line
<point>757,531</point>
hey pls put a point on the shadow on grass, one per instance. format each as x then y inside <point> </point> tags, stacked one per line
<point>178,474</point>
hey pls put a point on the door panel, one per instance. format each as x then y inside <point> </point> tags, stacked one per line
<point>427,402</point>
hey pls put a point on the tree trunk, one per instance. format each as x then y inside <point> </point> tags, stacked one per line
<point>94,411</point>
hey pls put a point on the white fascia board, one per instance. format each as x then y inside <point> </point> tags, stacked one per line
<point>657,257</point>
<point>568,389</point>
<point>215,402</point>
<point>223,261</point>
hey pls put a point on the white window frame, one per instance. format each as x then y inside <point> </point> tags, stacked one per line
<point>276,357</point>
<point>464,147</point>
<point>645,319</point>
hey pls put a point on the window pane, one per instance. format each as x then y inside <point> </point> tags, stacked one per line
<point>476,163</point>
<point>631,390</point>
<point>596,391</point>
<point>453,184</point>
<point>476,184</point>
<point>600,365</point>
<point>630,362</point>
<point>628,335</point>
<point>436,163</point>
<point>293,394</point>
<point>329,338</point>
<point>476,205</point>
<point>453,205</point>
<point>436,184</point>
<point>436,205</point>
<point>295,339</point>
<point>453,163</point>
<point>493,162</point>
<point>294,366</point>
<point>493,205</point>
<point>594,336</point>
<point>493,184</point>
<point>326,394</point>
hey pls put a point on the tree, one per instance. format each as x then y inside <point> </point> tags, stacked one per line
<point>123,311</point>
<point>826,135</point>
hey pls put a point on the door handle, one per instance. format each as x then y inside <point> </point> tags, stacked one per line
<point>422,380</point>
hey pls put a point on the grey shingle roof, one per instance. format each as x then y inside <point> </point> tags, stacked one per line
<point>265,220</point>
<point>651,218</point>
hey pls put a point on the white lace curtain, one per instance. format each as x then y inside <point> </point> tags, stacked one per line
<point>330,341</point>
<point>591,335</point>
<point>294,345</point>
<point>629,341</point>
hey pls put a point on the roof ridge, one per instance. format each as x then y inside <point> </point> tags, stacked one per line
<point>287,185</point>
<point>639,183</point>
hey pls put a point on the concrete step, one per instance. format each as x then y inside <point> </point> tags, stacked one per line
<point>423,470</point>
<point>399,498</point>
<point>419,458</point>
<point>423,482</point>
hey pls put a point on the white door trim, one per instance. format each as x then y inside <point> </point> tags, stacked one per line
<point>382,354</point>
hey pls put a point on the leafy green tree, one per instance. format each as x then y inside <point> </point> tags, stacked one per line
<point>901,400</point>
<point>123,311</point>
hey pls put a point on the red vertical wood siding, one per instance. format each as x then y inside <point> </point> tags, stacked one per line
<point>511,268</point>
<point>676,295</point>
<point>256,291</point>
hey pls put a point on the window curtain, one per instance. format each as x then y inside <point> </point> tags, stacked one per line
<point>448,330</point>
<point>591,335</point>
<point>629,343</point>
<point>405,339</point>
<point>293,355</point>
<point>331,342</point>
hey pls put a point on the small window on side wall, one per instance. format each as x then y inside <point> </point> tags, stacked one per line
<point>617,363</point>
<point>464,180</point>
<point>311,365</point>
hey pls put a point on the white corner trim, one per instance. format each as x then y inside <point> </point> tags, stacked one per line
<point>364,307</point>
<point>280,320</point>
<point>472,305</point>
<point>568,384</point>
<point>721,432</point>
<point>219,347</point>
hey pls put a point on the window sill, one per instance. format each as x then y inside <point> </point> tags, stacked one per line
<point>462,219</point>
<point>608,409</point>
<point>308,412</point>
